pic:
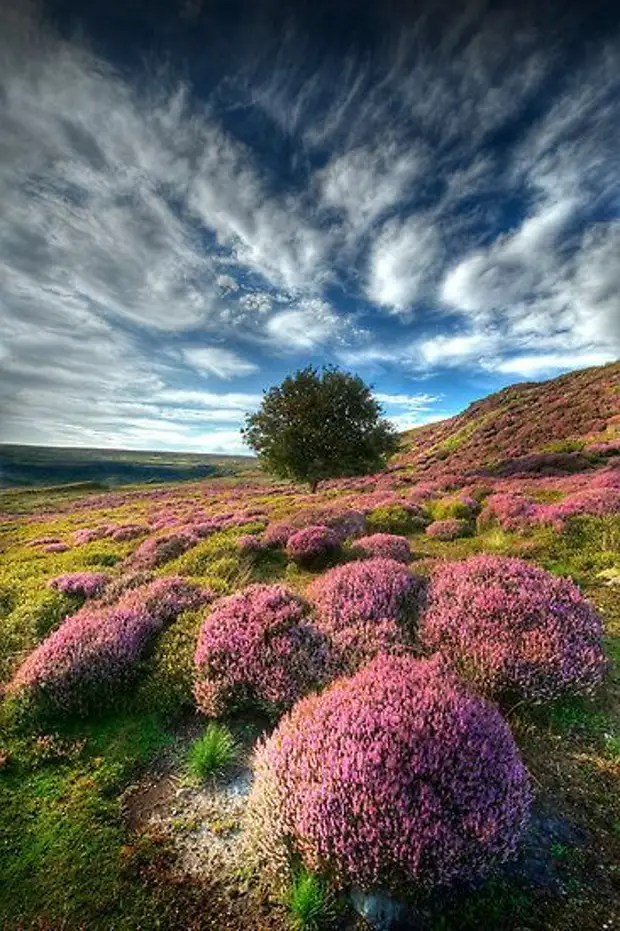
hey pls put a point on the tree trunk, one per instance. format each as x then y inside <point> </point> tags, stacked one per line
<point>313,486</point>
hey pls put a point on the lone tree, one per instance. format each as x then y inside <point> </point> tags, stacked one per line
<point>319,425</point>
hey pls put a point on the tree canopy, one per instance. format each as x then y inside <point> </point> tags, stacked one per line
<point>318,425</point>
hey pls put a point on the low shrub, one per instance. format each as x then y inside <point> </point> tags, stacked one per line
<point>513,629</point>
<point>450,529</point>
<point>258,647</point>
<point>394,518</point>
<point>155,551</point>
<point>95,652</point>
<point>85,584</point>
<point>388,545</point>
<point>366,591</point>
<point>277,534</point>
<point>393,777</point>
<point>313,547</point>
<point>461,508</point>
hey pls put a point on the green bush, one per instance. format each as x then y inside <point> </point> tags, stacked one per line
<point>446,508</point>
<point>168,682</point>
<point>393,518</point>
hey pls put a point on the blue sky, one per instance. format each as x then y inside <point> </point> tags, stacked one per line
<point>200,197</point>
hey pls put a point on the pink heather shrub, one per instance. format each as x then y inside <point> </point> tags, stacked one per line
<point>313,547</point>
<point>128,532</point>
<point>125,583</point>
<point>44,541</point>
<point>277,534</point>
<point>86,584</point>
<point>393,777</point>
<point>385,544</point>
<point>513,629</point>
<point>89,534</point>
<point>366,608</point>
<point>57,548</point>
<point>95,652</point>
<point>251,544</point>
<point>258,646</point>
<point>449,529</point>
<point>155,551</point>
<point>511,512</point>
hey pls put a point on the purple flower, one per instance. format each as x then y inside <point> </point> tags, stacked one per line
<point>394,776</point>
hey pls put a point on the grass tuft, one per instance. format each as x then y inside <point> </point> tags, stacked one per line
<point>211,753</point>
<point>309,902</point>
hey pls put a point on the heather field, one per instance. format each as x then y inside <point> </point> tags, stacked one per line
<point>234,704</point>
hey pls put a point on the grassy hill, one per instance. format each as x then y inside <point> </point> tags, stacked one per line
<point>35,466</point>
<point>572,416</point>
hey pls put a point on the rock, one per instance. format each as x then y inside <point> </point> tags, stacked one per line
<point>380,910</point>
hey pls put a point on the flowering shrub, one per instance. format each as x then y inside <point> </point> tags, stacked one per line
<point>128,532</point>
<point>313,547</point>
<point>365,608</point>
<point>510,511</point>
<point>258,646</point>
<point>449,529</point>
<point>95,652</point>
<point>251,543</point>
<point>86,584</point>
<point>513,628</point>
<point>394,518</point>
<point>385,544</point>
<point>88,534</point>
<point>155,551</point>
<point>277,534</point>
<point>57,547</point>
<point>395,776</point>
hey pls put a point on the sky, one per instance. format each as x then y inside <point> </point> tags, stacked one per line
<point>197,198</point>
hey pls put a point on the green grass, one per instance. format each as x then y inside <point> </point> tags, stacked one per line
<point>211,753</point>
<point>309,902</point>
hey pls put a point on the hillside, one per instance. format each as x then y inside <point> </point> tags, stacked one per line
<point>36,466</point>
<point>565,420</point>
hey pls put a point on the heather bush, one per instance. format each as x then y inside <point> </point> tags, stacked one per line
<point>394,777</point>
<point>313,547</point>
<point>513,629</point>
<point>277,534</point>
<point>155,551</point>
<point>85,584</point>
<point>251,544</point>
<point>394,518</point>
<point>388,545</point>
<point>85,662</point>
<point>258,647</point>
<point>365,591</point>
<point>509,511</point>
<point>449,529</point>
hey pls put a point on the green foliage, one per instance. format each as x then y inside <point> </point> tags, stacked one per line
<point>446,508</point>
<point>66,860</point>
<point>169,676</point>
<point>318,426</point>
<point>309,902</point>
<point>393,518</point>
<point>211,753</point>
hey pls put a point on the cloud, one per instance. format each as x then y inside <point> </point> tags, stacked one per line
<point>305,327</point>
<point>220,362</point>
<point>402,260</point>
<point>547,363</point>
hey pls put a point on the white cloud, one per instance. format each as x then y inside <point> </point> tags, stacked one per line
<point>213,360</point>
<point>402,261</point>
<point>547,363</point>
<point>307,326</point>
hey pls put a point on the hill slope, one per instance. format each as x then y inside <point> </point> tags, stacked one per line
<point>561,419</point>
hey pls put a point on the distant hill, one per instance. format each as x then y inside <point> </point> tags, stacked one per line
<point>35,466</point>
<point>560,423</point>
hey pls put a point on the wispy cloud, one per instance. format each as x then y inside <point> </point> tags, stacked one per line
<point>448,203</point>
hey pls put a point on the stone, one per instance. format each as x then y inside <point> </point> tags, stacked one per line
<point>381,911</point>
